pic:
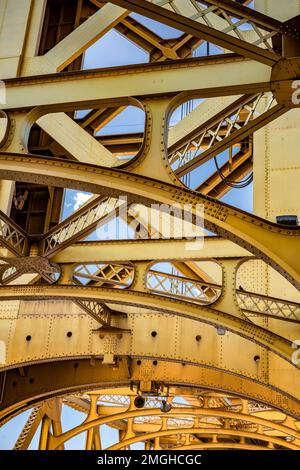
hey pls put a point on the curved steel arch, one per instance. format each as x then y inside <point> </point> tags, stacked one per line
<point>276,244</point>
<point>165,429</point>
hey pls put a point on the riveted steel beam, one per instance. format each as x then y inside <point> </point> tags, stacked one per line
<point>82,374</point>
<point>184,16</point>
<point>149,250</point>
<point>277,245</point>
<point>235,324</point>
<point>217,186</point>
<point>79,225</point>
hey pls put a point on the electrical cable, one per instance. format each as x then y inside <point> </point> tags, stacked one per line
<point>234,184</point>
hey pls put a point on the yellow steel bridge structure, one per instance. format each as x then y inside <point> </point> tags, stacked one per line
<point>121,328</point>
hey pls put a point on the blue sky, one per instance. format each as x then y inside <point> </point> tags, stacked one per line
<point>113,50</point>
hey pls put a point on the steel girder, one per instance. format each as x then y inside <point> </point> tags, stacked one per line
<point>129,436</point>
<point>63,89</point>
<point>199,21</point>
<point>266,44</point>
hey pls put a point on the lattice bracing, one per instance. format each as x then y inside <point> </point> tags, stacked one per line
<point>30,427</point>
<point>197,291</point>
<point>80,224</point>
<point>150,402</point>
<point>15,267</point>
<point>99,311</point>
<point>184,424</point>
<point>204,142</point>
